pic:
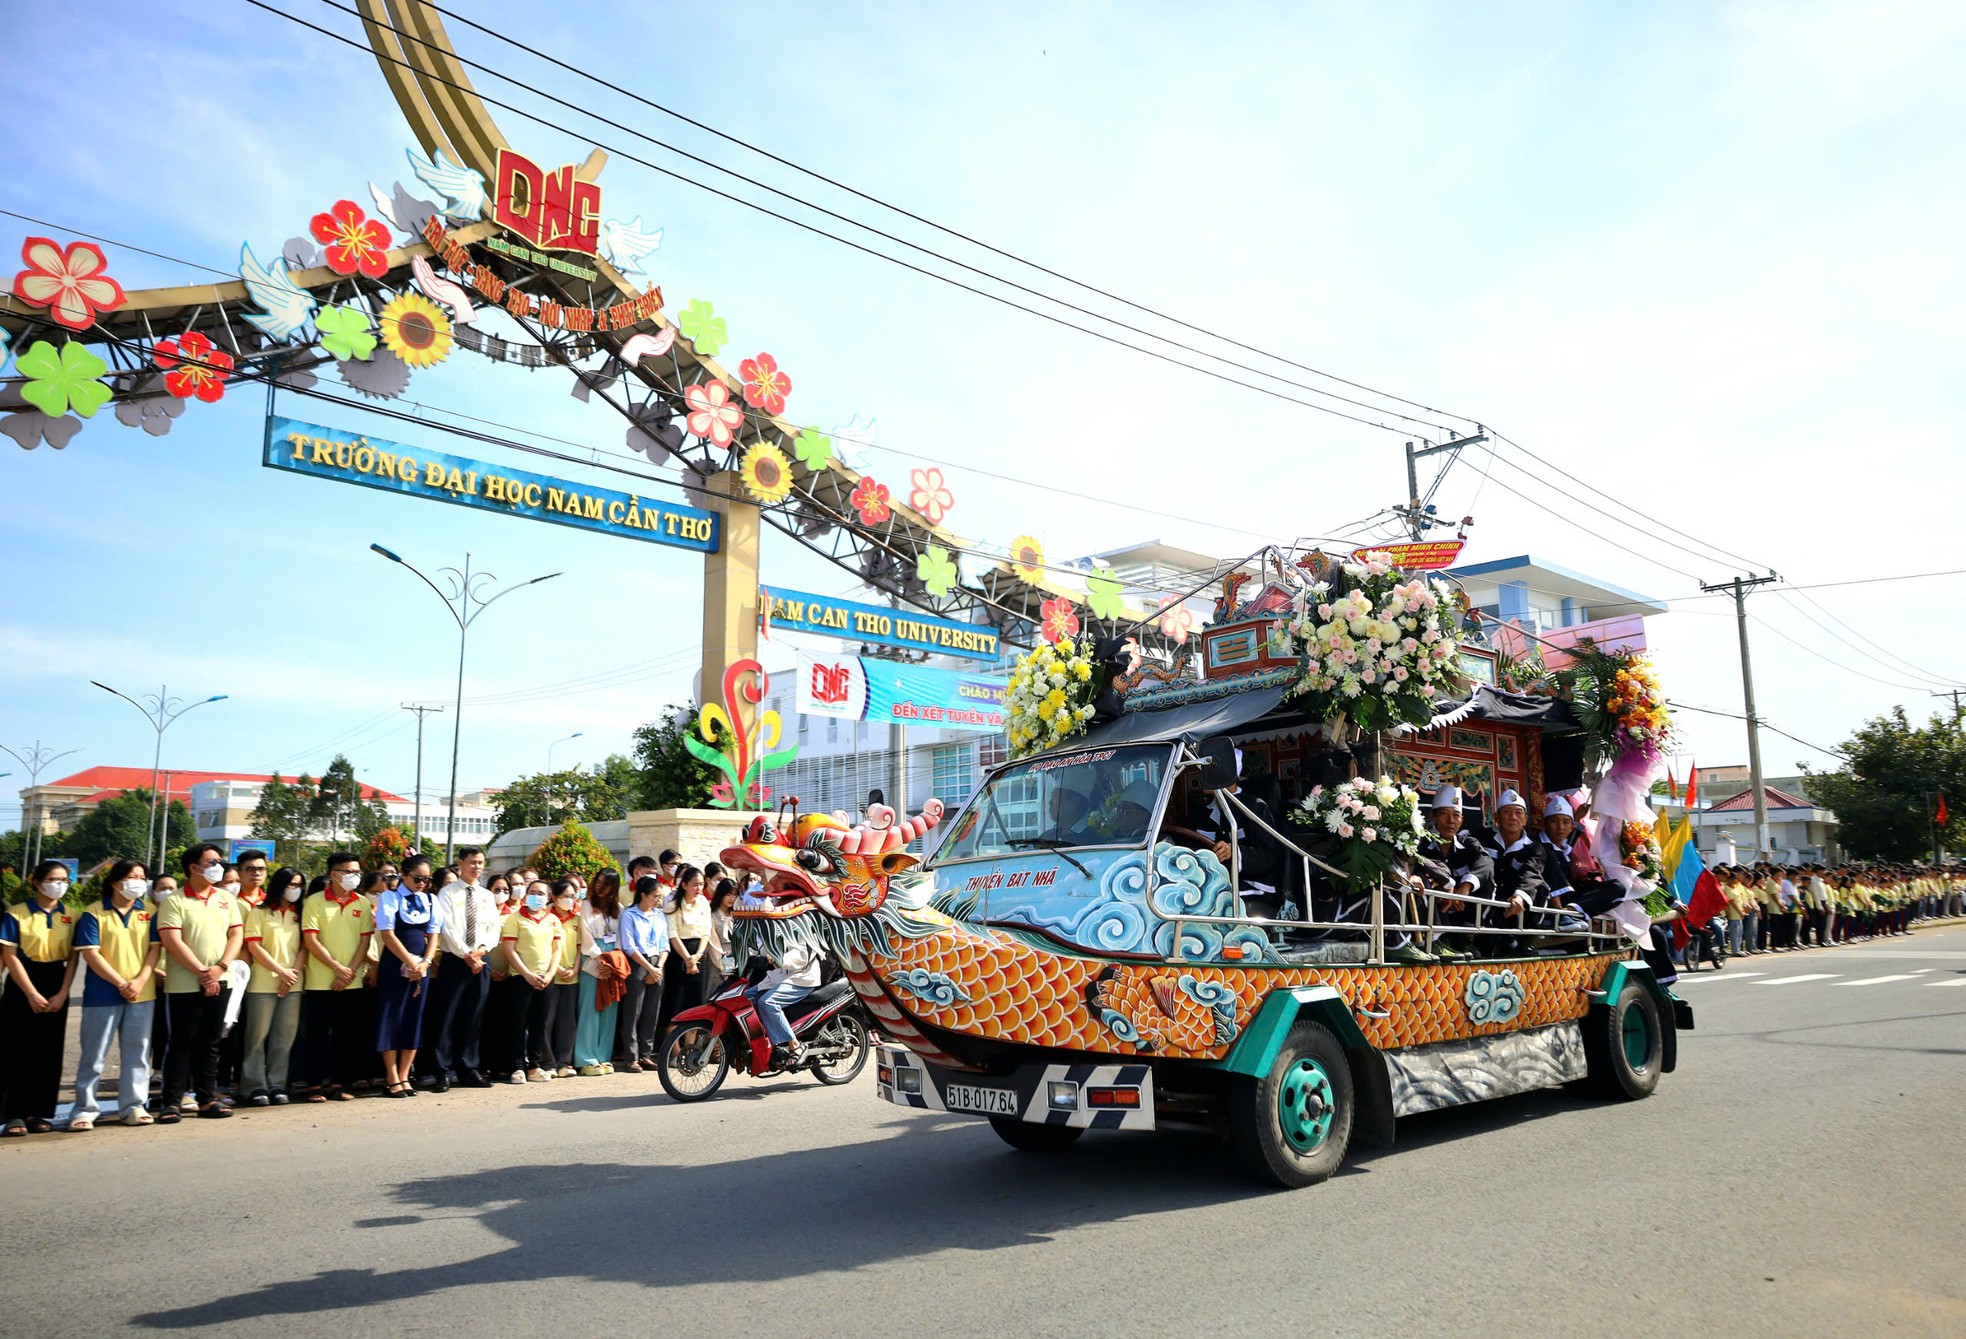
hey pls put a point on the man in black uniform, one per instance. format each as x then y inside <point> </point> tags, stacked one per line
<point>1452,861</point>
<point>1520,878</point>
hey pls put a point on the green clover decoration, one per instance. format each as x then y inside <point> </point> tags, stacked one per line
<point>813,448</point>
<point>60,381</point>
<point>703,328</point>
<point>937,570</point>
<point>1102,594</point>
<point>345,333</point>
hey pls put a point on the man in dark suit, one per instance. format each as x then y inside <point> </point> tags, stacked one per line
<point>1453,862</point>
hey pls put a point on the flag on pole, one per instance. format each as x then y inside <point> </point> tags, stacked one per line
<point>1941,815</point>
<point>1692,783</point>
<point>1672,784</point>
<point>1673,845</point>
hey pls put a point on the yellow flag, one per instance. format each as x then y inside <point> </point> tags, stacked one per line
<point>1673,842</point>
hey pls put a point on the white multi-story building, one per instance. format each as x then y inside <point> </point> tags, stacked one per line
<point>222,810</point>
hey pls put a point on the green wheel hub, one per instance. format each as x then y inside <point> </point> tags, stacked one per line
<point>1637,1038</point>
<point>1305,1105</point>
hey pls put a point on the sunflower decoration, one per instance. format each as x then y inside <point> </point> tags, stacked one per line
<point>416,330</point>
<point>767,475</point>
<point>1027,558</point>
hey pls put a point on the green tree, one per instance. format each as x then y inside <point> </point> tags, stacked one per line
<point>599,796</point>
<point>671,777</point>
<point>1892,776</point>
<point>571,850</point>
<point>119,827</point>
<point>281,815</point>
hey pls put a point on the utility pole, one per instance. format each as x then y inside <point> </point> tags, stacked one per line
<point>1417,520</point>
<point>1954,694</point>
<point>1739,588</point>
<point>416,824</point>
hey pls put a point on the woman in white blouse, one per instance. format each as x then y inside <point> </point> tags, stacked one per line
<point>689,939</point>
<point>600,959</point>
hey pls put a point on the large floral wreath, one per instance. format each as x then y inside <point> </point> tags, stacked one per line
<point>1051,696</point>
<point>1379,645</point>
<point>1374,824</point>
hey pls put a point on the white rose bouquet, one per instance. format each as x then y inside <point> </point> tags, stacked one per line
<point>1379,649</point>
<point>1373,824</point>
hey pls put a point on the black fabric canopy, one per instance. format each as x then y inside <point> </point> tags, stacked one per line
<point>1190,722</point>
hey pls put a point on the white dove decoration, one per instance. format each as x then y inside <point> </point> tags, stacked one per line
<point>627,243</point>
<point>284,306</point>
<point>463,188</point>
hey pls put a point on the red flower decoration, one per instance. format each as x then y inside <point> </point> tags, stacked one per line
<point>69,283</point>
<point>354,243</point>
<point>765,387</point>
<point>1059,620</point>
<point>871,500</point>
<point>193,368</point>
<point>711,414</point>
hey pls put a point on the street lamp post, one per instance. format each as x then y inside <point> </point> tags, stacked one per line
<point>162,714</point>
<point>549,770</point>
<point>464,603</point>
<point>33,760</point>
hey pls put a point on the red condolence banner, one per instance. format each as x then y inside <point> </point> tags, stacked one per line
<point>1429,556</point>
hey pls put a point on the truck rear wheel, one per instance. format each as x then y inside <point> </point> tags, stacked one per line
<point>1292,1125</point>
<point>1026,1137</point>
<point>1624,1043</point>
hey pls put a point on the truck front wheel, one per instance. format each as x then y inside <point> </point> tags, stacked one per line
<point>1292,1125</point>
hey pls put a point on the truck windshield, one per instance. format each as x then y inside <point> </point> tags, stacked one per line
<point>1105,797</point>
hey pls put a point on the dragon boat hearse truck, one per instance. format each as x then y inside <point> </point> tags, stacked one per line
<point>1133,926</point>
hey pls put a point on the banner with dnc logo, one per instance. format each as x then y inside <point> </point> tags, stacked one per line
<point>858,688</point>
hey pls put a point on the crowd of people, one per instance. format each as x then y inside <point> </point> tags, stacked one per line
<point>1782,908</point>
<point>229,983</point>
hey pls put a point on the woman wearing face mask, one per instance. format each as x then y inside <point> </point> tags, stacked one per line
<point>36,937</point>
<point>501,1036</point>
<point>117,942</point>
<point>720,963</point>
<point>565,1020</point>
<point>531,937</point>
<point>272,1018</point>
<point>407,923</point>
<point>689,940</point>
<point>603,971</point>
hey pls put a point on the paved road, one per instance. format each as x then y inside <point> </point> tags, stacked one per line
<point>1802,1174</point>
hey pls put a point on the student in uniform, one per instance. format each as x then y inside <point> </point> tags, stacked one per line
<point>408,924</point>
<point>272,1017</point>
<point>502,1043</point>
<point>246,880</point>
<point>335,926</point>
<point>645,939</point>
<point>117,943</point>
<point>36,943</point>
<point>531,936</point>
<point>203,933</point>
<point>565,1019</point>
<point>689,940</point>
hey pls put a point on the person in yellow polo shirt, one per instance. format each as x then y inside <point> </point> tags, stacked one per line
<point>117,943</point>
<point>35,942</point>
<point>272,1016</point>
<point>203,933</point>
<point>335,927</point>
<point>532,936</point>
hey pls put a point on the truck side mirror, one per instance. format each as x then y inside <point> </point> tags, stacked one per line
<point>1218,763</point>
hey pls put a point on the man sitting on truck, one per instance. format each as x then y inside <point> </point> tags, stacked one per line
<point>1453,861</point>
<point>1519,872</point>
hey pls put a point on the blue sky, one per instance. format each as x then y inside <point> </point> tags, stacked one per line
<point>1706,257</point>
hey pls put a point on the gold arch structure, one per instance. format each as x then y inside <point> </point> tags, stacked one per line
<point>434,91</point>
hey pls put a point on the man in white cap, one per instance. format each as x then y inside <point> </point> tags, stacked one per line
<point>1519,868</point>
<point>1458,863</point>
<point>1572,873</point>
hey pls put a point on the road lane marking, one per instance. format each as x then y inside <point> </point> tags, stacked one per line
<point>1956,981</point>
<point>1880,980</point>
<point>1806,976</point>
<point>1721,976</point>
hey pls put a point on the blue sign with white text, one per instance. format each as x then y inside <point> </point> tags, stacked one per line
<point>352,458</point>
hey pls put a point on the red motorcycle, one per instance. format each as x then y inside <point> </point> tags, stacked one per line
<point>705,1043</point>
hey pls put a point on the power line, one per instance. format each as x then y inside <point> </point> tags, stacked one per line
<point>917,218</point>
<point>849,242</point>
<point>1737,716</point>
<point>159,255</point>
<point>1888,683</point>
<point>1921,673</point>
